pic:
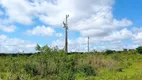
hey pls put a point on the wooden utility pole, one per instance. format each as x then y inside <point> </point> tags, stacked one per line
<point>66,33</point>
<point>88,43</point>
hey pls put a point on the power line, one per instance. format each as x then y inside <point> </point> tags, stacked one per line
<point>98,12</point>
<point>102,8</point>
<point>95,20</point>
<point>98,17</point>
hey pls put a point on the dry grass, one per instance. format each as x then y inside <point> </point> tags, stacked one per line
<point>98,61</point>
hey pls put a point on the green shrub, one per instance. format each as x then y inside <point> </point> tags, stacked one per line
<point>31,69</point>
<point>108,52</point>
<point>38,48</point>
<point>53,64</point>
<point>88,70</point>
<point>139,49</point>
<point>125,50</point>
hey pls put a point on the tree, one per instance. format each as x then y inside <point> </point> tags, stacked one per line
<point>94,51</point>
<point>38,48</point>
<point>125,50</point>
<point>45,48</point>
<point>108,51</point>
<point>139,49</point>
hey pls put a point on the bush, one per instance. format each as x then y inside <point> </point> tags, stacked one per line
<point>108,52</point>
<point>125,50</point>
<point>31,69</point>
<point>37,48</point>
<point>139,49</point>
<point>88,70</point>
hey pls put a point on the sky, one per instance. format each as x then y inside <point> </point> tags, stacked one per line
<point>110,24</point>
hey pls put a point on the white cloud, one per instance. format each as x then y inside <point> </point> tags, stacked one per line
<point>94,33</point>
<point>83,16</point>
<point>138,38</point>
<point>114,35</point>
<point>123,23</point>
<point>137,35</point>
<point>18,11</point>
<point>112,41</point>
<point>6,26</point>
<point>59,35</point>
<point>136,30</point>
<point>41,31</point>
<point>81,45</point>
<point>124,34</point>
<point>78,44</point>
<point>12,45</point>
<point>53,11</point>
<point>3,37</point>
<point>10,28</point>
<point>101,26</point>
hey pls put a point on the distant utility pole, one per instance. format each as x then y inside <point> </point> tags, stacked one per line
<point>66,33</point>
<point>88,43</point>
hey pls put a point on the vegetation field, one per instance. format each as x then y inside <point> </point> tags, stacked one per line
<point>52,64</point>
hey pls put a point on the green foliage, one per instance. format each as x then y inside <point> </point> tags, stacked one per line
<point>139,49</point>
<point>45,48</point>
<point>88,70</point>
<point>31,69</point>
<point>108,52</point>
<point>125,50</point>
<point>53,64</point>
<point>38,48</point>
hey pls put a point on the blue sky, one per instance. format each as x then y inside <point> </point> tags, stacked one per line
<point>24,23</point>
<point>130,9</point>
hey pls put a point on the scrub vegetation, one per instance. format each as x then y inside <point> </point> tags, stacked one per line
<point>53,64</point>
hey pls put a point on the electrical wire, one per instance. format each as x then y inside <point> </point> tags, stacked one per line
<point>98,12</point>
